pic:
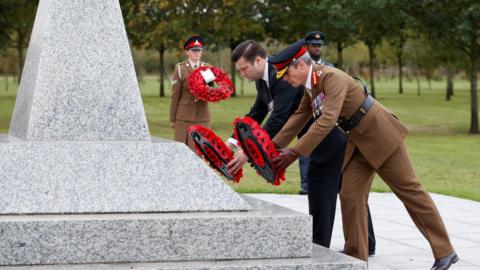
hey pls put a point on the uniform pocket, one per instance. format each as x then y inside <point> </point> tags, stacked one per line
<point>368,119</point>
<point>184,101</point>
<point>185,112</point>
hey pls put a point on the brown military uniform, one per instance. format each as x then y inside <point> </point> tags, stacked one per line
<point>376,144</point>
<point>185,109</point>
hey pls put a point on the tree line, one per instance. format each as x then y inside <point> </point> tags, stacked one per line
<point>448,30</point>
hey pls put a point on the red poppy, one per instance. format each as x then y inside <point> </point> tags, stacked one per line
<point>266,146</point>
<point>219,147</point>
<point>221,88</point>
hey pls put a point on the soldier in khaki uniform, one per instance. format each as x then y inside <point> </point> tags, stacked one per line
<point>375,144</point>
<point>185,109</point>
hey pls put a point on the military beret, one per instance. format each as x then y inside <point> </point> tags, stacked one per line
<point>282,60</point>
<point>194,43</point>
<point>315,37</point>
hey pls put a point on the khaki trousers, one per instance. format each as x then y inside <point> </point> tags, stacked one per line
<point>181,131</point>
<point>398,173</point>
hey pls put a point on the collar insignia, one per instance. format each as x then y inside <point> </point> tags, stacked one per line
<point>314,79</point>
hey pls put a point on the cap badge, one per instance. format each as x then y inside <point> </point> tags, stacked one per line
<point>317,35</point>
<point>196,42</point>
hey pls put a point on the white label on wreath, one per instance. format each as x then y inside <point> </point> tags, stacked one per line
<point>207,75</point>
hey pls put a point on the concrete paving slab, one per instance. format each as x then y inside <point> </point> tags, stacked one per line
<point>399,243</point>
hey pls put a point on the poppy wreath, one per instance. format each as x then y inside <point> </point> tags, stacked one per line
<point>221,88</point>
<point>212,155</point>
<point>264,143</point>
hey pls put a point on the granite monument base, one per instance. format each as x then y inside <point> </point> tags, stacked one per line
<point>266,237</point>
<point>321,259</point>
<point>266,231</point>
<point>108,177</point>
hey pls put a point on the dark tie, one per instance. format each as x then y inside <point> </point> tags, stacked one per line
<point>195,66</point>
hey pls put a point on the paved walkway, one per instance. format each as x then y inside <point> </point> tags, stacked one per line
<point>399,244</point>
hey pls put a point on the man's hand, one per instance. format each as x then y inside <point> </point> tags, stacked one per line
<point>231,145</point>
<point>287,156</point>
<point>172,124</point>
<point>237,162</point>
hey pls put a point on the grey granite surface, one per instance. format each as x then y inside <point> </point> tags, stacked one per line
<point>79,81</point>
<point>321,259</point>
<point>93,177</point>
<point>266,231</point>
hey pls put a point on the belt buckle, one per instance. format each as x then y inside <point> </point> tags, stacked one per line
<point>341,129</point>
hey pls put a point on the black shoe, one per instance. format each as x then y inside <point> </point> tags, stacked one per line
<point>301,192</point>
<point>445,262</point>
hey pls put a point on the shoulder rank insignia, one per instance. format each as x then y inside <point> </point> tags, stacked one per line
<point>179,71</point>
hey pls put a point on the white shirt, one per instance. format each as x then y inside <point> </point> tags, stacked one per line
<point>265,78</point>
<point>193,64</point>
<point>308,83</point>
<point>265,74</point>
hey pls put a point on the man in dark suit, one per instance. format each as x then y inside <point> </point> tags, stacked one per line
<point>280,99</point>
<point>275,98</point>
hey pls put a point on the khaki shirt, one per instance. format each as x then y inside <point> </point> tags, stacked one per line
<point>184,106</point>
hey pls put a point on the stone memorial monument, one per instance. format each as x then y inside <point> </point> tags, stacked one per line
<point>83,185</point>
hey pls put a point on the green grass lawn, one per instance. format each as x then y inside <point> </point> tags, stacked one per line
<point>446,158</point>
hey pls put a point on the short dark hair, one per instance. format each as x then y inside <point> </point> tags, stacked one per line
<point>249,50</point>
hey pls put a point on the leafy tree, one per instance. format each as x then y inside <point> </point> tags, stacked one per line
<point>397,36</point>
<point>235,21</point>
<point>151,24</point>
<point>17,18</point>
<point>372,27</point>
<point>440,55</point>
<point>455,24</point>
<point>4,24</point>
<point>286,21</point>
<point>338,21</point>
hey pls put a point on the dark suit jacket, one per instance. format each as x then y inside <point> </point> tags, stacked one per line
<point>286,99</point>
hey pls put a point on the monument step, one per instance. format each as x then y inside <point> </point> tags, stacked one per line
<point>321,259</point>
<point>266,231</point>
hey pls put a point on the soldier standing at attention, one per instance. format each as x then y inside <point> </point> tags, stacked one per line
<point>314,42</point>
<point>185,109</point>
<point>375,143</point>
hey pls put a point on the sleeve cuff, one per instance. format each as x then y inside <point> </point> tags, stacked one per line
<point>233,141</point>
